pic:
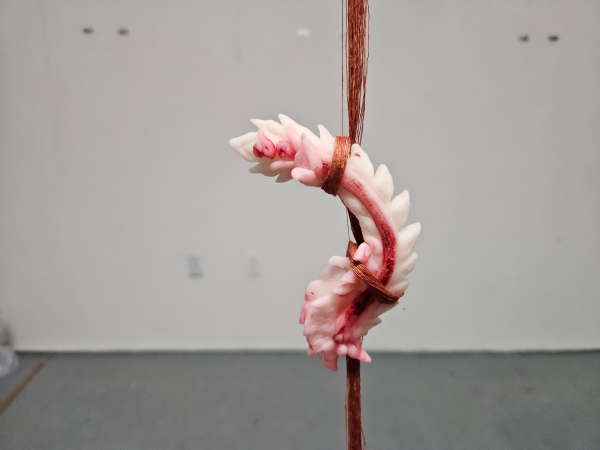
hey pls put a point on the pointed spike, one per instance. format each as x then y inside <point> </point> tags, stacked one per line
<point>348,277</point>
<point>246,139</point>
<point>407,239</point>
<point>305,176</point>
<point>290,126</point>
<point>303,314</point>
<point>402,269</point>
<point>339,261</point>
<point>408,265</point>
<point>285,120</point>
<point>329,360</point>
<point>364,356</point>
<point>400,208</point>
<point>363,165</point>
<point>273,127</point>
<point>273,130</point>
<point>353,351</point>
<point>399,287</point>
<point>281,165</point>
<point>384,185</point>
<point>342,289</point>
<point>363,253</point>
<point>243,145</point>
<point>327,345</point>
<point>324,132</point>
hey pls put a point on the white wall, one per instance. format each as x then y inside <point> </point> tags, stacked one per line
<point>114,166</point>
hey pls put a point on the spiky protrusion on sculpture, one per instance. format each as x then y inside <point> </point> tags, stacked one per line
<point>338,311</point>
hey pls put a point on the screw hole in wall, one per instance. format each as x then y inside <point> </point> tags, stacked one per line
<point>123,31</point>
<point>553,37</point>
<point>524,38</point>
<point>87,30</point>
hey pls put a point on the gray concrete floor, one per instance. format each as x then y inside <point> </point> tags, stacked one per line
<point>288,401</point>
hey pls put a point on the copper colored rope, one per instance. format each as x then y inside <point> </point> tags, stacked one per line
<point>354,437</point>
<point>363,273</point>
<point>341,151</point>
<point>355,42</point>
<point>357,57</point>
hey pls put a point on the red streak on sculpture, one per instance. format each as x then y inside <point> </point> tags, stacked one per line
<point>388,242</point>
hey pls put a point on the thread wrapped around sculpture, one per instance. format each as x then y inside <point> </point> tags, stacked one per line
<point>339,309</point>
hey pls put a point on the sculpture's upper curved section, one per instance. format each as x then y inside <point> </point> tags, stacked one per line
<point>339,310</point>
<point>286,149</point>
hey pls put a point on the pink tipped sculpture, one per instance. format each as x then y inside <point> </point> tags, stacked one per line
<point>338,311</point>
